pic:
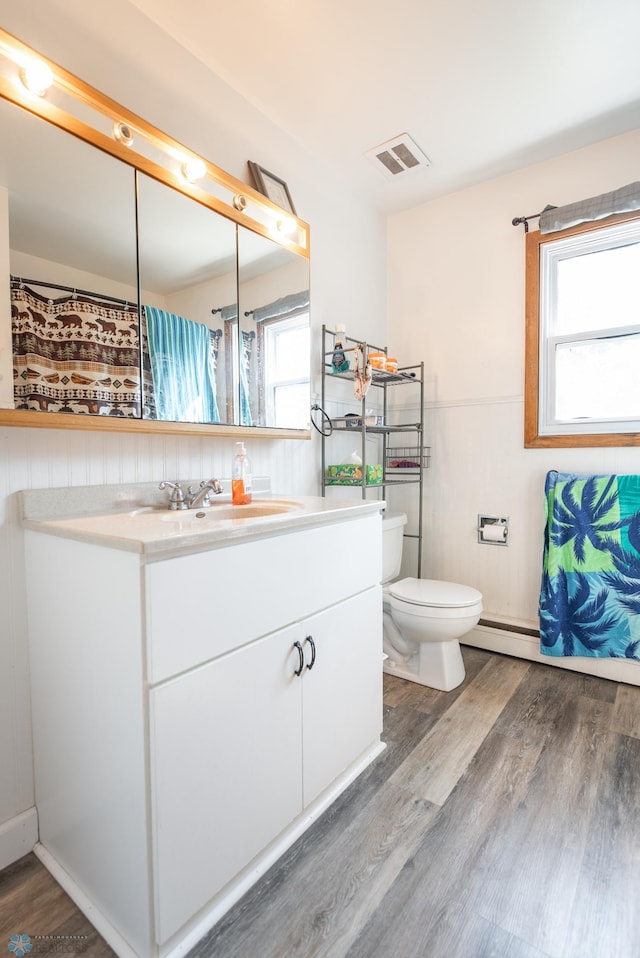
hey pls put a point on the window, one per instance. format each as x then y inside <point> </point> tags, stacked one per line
<point>582,382</point>
<point>286,373</point>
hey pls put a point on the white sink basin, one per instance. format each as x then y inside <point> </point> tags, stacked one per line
<point>219,512</point>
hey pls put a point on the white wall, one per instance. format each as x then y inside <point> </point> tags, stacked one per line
<point>456,299</point>
<point>115,48</point>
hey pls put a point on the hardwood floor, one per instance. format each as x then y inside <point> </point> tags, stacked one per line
<point>502,820</point>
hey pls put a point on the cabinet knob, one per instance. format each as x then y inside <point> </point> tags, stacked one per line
<point>309,639</point>
<point>298,671</point>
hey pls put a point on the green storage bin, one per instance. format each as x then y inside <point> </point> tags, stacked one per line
<point>351,475</point>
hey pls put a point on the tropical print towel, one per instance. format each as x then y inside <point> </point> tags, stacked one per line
<point>590,593</point>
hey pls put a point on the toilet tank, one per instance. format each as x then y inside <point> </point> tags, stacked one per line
<point>393,524</point>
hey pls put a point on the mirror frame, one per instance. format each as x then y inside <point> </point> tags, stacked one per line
<point>242,204</point>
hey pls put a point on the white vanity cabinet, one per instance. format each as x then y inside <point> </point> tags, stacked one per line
<point>240,746</point>
<point>193,714</point>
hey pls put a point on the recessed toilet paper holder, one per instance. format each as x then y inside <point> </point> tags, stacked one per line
<point>493,530</point>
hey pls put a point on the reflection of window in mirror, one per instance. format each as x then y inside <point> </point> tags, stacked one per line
<point>287,371</point>
<point>583,336</point>
<point>274,323</point>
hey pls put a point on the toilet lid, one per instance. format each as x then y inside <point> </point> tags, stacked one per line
<point>434,592</point>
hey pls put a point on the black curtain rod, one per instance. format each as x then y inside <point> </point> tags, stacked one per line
<point>524,220</point>
<point>73,289</point>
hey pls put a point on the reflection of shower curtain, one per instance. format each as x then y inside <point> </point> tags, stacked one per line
<point>229,316</point>
<point>245,365</point>
<point>75,354</point>
<point>183,370</point>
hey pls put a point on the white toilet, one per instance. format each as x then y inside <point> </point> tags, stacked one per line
<point>423,618</point>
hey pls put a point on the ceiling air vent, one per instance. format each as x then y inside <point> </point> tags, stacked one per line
<point>396,156</point>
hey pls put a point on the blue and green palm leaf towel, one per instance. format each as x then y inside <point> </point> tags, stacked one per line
<point>590,591</point>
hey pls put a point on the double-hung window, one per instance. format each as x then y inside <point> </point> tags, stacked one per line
<point>285,346</point>
<point>583,336</point>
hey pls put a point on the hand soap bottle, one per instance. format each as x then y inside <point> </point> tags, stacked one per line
<point>241,477</point>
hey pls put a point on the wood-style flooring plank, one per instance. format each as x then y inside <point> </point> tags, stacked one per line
<point>461,934</point>
<point>605,919</point>
<point>536,712</point>
<point>626,712</point>
<point>413,915</point>
<point>33,903</point>
<point>435,766</point>
<point>530,868</point>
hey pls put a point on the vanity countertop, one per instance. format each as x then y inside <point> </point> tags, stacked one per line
<point>134,518</point>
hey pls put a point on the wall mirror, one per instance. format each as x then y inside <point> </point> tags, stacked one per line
<point>68,351</point>
<point>187,266</point>
<point>130,298</point>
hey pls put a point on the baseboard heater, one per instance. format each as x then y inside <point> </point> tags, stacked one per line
<point>507,627</point>
<point>523,642</point>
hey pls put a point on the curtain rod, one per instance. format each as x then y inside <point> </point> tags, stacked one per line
<point>524,220</point>
<point>73,289</point>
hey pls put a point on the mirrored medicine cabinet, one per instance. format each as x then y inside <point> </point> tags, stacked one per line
<point>133,296</point>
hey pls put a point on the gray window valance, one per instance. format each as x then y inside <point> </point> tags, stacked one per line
<point>229,314</point>
<point>286,306</point>
<point>626,199</point>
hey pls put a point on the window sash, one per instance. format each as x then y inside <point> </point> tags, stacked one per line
<point>272,330</point>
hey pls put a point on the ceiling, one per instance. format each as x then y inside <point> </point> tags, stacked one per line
<point>483,88</point>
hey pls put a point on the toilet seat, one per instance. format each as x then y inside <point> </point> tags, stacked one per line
<point>433,593</point>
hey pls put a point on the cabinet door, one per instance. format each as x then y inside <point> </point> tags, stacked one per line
<point>342,693</point>
<point>226,771</point>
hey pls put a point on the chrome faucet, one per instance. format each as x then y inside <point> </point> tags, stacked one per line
<point>201,497</point>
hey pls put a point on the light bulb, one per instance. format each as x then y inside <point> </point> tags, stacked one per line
<point>193,169</point>
<point>37,77</point>
<point>287,227</point>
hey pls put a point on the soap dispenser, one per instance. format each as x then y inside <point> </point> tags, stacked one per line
<point>241,477</point>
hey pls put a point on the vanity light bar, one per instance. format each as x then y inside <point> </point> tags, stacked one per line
<point>156,153</point>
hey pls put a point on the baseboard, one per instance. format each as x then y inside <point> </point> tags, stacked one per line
<point>18,837</point>
<point>503,638</point>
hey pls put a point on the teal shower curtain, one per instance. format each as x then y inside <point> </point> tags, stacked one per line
<point>183,369</point>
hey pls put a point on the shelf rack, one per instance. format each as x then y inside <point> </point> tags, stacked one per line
<point>404,456</point>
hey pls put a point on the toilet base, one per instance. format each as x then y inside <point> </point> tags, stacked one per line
<point>436,665</point>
